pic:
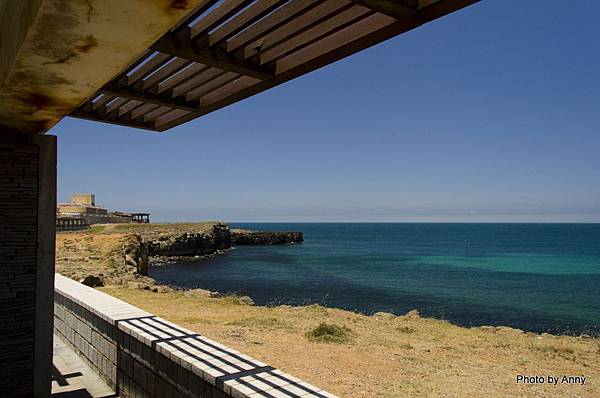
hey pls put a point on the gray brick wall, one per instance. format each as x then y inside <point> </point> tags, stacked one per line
<point>18,251</point>
<point>127,364</point>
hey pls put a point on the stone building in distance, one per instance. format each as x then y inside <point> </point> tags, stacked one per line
<point>83,207</point>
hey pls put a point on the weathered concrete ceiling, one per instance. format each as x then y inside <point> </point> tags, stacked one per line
<point>229,50</point>
<point>55,54</point>
<point>13,31</point>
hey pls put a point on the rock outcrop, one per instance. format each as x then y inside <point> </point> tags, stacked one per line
<point>246,237</point>
<point>135,253</point>
<point>191,244</point>
<point>111,257</point>
<point>92,281</point>
<point>220,237</point>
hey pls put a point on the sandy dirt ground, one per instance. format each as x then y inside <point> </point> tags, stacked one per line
<point>98,251</point>
<point>386,355</point>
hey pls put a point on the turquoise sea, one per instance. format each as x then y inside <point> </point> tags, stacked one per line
<point>537,277</point>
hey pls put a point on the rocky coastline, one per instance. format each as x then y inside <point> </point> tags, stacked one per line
<point>135,248</point>
<point>189,246</point>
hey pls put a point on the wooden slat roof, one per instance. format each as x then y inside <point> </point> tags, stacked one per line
<point>229,50</point>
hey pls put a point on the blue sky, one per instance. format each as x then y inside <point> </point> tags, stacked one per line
<point>488,114</point>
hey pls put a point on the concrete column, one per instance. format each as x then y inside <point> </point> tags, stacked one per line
<point>46,242</point>
<point>27,233</point>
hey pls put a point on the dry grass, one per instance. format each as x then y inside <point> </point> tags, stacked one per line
<point>84,253</point>
<point>384,356</point>
<point>99,249</point>
<point>329,333</point>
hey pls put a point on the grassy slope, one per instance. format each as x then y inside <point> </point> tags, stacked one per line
<point>386,356</point>
<point>99,249</point>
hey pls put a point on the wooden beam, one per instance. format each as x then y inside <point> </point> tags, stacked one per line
<point>217,16</point>
<point>331,25</point>
<point>150,98</point>
<point>112,106</point>
<point>298,25</point>
<point>180,78</point>
<point>413,21</point>
<point>271,22</point>
<point>79,114</point>
<point>211,85</point>
<point>145,66</point>
<point>200,9</point>
<point>128,107</point>
<point>339,39</point>
<point>172,68</point>
<point>192,81</point>
<point>140,111</point>
<point>100,102</point>
<point>391,8</point>
<point>183,47</point>
<point>154,114</point>
<point>246,18</point>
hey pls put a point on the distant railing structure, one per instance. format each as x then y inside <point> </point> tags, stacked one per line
<point>143,218</point>
<point>71,224</point>
<point>90,219</point>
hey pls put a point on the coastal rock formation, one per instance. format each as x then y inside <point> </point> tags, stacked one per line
<point>119,254</point>
<point>413,314</point>
<point>246,237</point>
<point>191,243</point>
<point>135,253</point>
<point>92,281</point>
<point>219,237</point>
<point>245,300</point>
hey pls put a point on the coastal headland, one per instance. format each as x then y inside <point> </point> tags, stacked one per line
<point>119,254</point>
<point>347,353</point>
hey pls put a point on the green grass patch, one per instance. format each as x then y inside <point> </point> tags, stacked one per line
<point>329,333</point>
<point>123,228</point>
<point>235,299</point>
<point>315,309</point>
<point>96,229</point>
<point>262,323</point>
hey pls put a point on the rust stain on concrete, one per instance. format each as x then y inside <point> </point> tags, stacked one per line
<point>73,48</point>
<point>86,44</point>
<point>180,4</point>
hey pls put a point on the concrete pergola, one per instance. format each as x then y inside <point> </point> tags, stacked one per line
<point>150,64</point>
<point>143,218</point>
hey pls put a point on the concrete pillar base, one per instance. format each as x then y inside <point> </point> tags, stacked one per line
<point>27,239</point>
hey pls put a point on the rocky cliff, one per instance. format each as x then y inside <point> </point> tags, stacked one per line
<point>120,254</point>
<point>245,237</point>
<point>219,237</point>
<point>191,243</point>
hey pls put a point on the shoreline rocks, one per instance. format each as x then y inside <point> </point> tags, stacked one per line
<point>135,253</point>
<point>128,258</point>
<point>247,237</point>
<point>218,240</point>
<point>190,243</point>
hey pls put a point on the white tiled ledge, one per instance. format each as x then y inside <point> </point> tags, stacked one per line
<point>230,371</point>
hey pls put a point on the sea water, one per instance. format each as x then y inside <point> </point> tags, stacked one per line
<point>537,277</point>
